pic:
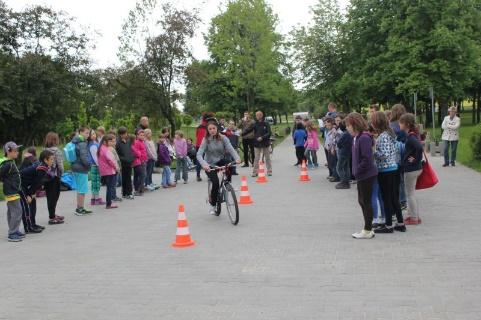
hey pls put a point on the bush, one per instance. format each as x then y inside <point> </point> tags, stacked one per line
<point>187,119</point>
<point>476,145</point>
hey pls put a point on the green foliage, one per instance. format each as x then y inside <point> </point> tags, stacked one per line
<point>476,146</point>
<point>224,115</point>
<point>187,119</point>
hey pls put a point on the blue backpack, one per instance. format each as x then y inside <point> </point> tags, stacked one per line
<point>70,152</point>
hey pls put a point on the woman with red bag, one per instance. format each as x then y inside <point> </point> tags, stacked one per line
<point>412,164</point>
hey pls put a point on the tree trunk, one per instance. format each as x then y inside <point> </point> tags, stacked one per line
<point>478,109</point>
<point>473,111</point>
<point>287,120</point>
<point>443,110</point>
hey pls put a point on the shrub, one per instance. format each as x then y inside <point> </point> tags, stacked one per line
<point>187,119</point>
<point>476,145</point>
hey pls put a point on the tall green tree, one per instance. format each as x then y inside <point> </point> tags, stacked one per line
<point>159,48</point>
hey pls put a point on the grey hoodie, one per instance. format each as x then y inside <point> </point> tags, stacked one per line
<point>215,150</point>
<point>81,164</point>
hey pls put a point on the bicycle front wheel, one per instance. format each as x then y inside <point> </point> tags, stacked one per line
<point>231,204</point>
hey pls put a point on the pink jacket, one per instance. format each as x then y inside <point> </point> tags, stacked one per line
<point>140,153</point>
<point>107,164</point>
<point>180,146</point>
<point>312,142</point>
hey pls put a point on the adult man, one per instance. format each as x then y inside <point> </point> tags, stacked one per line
<point>144,123</point>
<point>248,139</point>
<point>262,134</point>
<point>450,136</point>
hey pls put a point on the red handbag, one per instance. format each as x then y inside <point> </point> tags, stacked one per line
<point>428,177</point>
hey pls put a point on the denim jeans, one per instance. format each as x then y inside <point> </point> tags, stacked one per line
<point>139,177</point>
<point>149,171</point>
<point>343,169</point>
<point>182,166</point>
<point>332,163</point>
<point>111,182</point>
<point>375,198</point>
<point>454,147</point>
<point>166,176</point>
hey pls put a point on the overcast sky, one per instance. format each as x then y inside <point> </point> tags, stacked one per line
<point>107,16</point>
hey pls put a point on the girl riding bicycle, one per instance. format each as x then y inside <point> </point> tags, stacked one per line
<point>213,152</point>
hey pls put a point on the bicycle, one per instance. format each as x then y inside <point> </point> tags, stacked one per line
<point>226,194</point>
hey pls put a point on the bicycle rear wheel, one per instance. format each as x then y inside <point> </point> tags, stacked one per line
<point>231,204</point>
<point>218,207</point>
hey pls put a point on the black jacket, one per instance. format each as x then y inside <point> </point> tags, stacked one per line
<point>10,176</point>
<point>413,149</point>
<point>33,178</point>
<point>262,130</point>
<point>124,150</point>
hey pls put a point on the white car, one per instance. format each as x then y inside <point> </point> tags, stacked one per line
<point>270,120</point>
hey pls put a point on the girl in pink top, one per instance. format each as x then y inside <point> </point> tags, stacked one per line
<point>312,145</point>
<point>140,161</point>
<point>108,167</point>
<point>180,145</point>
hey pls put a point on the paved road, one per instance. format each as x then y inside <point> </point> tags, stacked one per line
<point>290,257</point>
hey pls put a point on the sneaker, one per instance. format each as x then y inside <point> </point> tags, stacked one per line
<point>14,238</point>
<point>384,229</point>
<point>34,230</point>
<point>343,185</point>
<point>130,197</point>
<point>445,165</point>
<point>400,227</point>
<point>329,177</point>
<point>138,194</point>
<point>60,217</point>
<point>332,179</point>
<point>39,227</point>
<point>245,166</point>
<point>269,174</point>
<point>364,234</point>
<point>156,187</point>
<point>100,202</point>
<point>80,212</point>
<point>412,221</point>
<point>112,206</point>
<point>55,221</point>
<point>117,199</point>
<point>404,206</point>
<point>185,181</point>
<point>453,164</point>
<point>93,202</point>
<point>20,234</point>
<point>254,175</point>
<point>211,210</point>
<point>375,225</point>
<point>199,179</point>
<point>150,188</point>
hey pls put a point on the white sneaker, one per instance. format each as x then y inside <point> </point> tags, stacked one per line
<point>211,210</point>
<point>364,234</point>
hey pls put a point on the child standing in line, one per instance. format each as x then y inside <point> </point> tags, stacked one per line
<point>152,158</point>
<point>119,164</point>
<point>52,186</point>
<point>386,154</point>
<point>140,160</point>
<point>363,169</point>
<point>124,150</point>
<point>332,136</point>
<point>343,149</point>
<point>33,178</point>
<point>12,189</point>
<point>108,168</point>
<point>191,153</point>
<point>300,137</point>
<point>180,145</point>
<point>29,158</point>
<point>93,146</point>
<point>412,164</point>
<point>165,161</point>
<point>312,145</point>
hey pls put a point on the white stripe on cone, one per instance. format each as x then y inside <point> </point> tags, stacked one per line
<point>182,231</point>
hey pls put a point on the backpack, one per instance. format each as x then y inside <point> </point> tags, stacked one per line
<point>2,160</point>
<point>70,152</point>
<point>400,147</point>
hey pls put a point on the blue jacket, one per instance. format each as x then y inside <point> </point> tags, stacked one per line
<point>413,149</point>
<point>300,137</point>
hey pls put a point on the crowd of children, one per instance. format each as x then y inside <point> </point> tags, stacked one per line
<point>382,155</point>
<point>109,159</point>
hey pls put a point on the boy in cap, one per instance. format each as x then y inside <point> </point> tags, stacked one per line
<point>12,188</point>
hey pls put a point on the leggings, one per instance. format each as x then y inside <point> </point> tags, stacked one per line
<point>364,194</point>
<point>389,185</point>
<point>52,189</point>
<point>214,178</point>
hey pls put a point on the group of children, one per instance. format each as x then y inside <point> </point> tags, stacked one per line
<point>108,158</point>
<point>382,155</point>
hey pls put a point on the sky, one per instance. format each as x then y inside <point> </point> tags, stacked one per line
<point>106,17</point>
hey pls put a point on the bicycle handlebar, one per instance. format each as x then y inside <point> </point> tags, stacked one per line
<point>217,168</point>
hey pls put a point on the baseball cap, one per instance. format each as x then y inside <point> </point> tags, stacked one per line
<point>9,146</point>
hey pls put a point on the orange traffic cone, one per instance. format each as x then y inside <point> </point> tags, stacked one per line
<point>245,197</point>
<point>261,174</point>
<point>304,176</point>
<point>182,237</point>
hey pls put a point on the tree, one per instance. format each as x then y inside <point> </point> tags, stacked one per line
<point>159,49</point>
